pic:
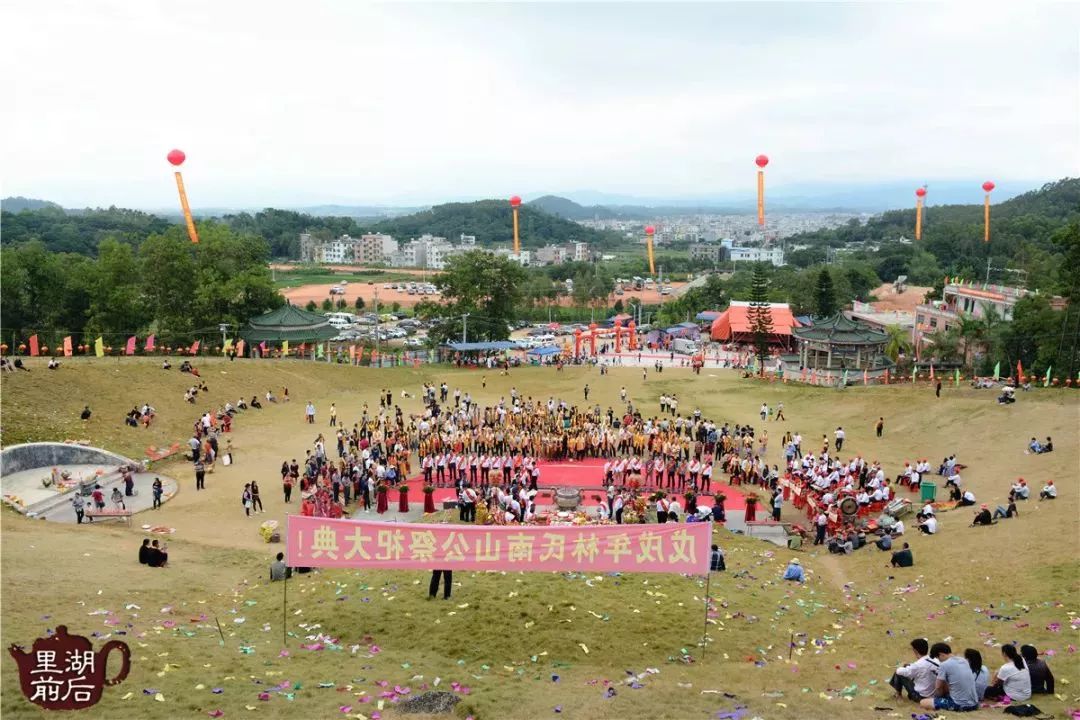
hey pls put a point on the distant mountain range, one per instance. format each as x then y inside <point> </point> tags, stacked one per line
<point>593,204</point>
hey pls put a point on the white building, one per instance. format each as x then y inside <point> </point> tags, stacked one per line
<point>772,255</point>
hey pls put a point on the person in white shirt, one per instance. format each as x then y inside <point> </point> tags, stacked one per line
<point>1012,679</point>
<point>1049,492</point>
<point>917,678</point>
<point>929,525</point>
<point>840,435</point>
<point>898,528</point>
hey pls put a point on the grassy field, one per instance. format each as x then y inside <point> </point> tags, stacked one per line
<point>317,275</point>
<point>510,645</point>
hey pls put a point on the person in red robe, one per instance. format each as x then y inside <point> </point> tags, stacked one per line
<point>403,498</point>
<point>381,504</point>
<point>751,508</point>
<point>429,502</point>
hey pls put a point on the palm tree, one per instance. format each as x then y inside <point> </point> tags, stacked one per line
<point>898,343</point>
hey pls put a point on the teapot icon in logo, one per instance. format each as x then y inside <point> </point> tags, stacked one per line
<point>64,673</point>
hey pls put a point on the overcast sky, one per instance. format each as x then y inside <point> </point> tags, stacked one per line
<point>291,103</point>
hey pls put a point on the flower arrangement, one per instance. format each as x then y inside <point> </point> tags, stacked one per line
<point>429,489</point>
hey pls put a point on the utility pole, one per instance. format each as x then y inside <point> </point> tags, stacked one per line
<point>465,328</point>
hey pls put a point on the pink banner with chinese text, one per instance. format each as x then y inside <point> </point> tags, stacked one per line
<point>667,548</point>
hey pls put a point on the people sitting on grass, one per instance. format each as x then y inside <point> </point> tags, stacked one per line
<point>279,570</point>
<point>954,688</point>
<point>794,571</point>
<point>1007,512</point>
<point>928,525</point>
<point>983,517</point>
<point>86,413</point>
<point>1049,491</point>
<point>918,679</point>
<point>158,555</point>
<point>1042,680</point>
<point>1039,448</point>
<point>144,552</point>
<point>1012,679</point>
<point>54,364</point>
<point>716,562</point>
<point>255,404</point>
<point>903,557</point>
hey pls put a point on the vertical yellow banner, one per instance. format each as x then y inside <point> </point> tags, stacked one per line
<point>918,218</point>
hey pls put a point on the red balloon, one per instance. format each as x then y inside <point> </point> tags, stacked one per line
<point>761,160</point>
<point>921,192</point>
<point>176,157</point>
<point>649,230</point>
<point>515,201</point>
<point>988,186</point>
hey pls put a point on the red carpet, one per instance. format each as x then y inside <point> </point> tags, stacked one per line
<point>587,474</point>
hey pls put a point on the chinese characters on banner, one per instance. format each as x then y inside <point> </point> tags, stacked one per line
<point>667,548</point>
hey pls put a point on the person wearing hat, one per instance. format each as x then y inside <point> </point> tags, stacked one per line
<point>1023,492</point>
<point>983,517</point>
<point>794,571</point>
<point>1049,492</point>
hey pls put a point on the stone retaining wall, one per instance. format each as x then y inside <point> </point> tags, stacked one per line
<point>17,458</point>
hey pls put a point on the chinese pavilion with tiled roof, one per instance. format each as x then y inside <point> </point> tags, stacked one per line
<point>838,343</point>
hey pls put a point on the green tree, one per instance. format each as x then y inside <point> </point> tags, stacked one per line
<point>359,304</point>
<point>487,287</point>
<point>618,307</point>
<point>824,295</point>
<point>327,305</point>
<point>760,314</point>
<point>341,304</point>
<point>167,267</point>
<point>117,306</point>
<point>311,306</point>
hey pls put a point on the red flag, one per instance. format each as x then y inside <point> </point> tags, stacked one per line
<point>195,348</point>
<point>262,348</point>
<point>1019,367</point>
<point>865,378</point>
<point>931,372</point>
<point>33,346</point>
<point>67,346</point>
<point>240,348</point>
<point>359,354</point>
<point>130,350</point>
<point>150,344</point>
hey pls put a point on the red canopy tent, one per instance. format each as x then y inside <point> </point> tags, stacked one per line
<point>734,325</point>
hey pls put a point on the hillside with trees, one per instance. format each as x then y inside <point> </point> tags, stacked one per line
<point>490,221</point>
<point>167,286</point>
<point>566,208</point>
<point>952,242</point>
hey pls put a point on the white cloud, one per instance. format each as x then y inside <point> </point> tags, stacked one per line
<point>289,103</point>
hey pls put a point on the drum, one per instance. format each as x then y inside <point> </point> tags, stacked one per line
<point>849,506</point>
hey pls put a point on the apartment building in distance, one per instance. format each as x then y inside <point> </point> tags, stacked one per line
<point>372,248</point>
